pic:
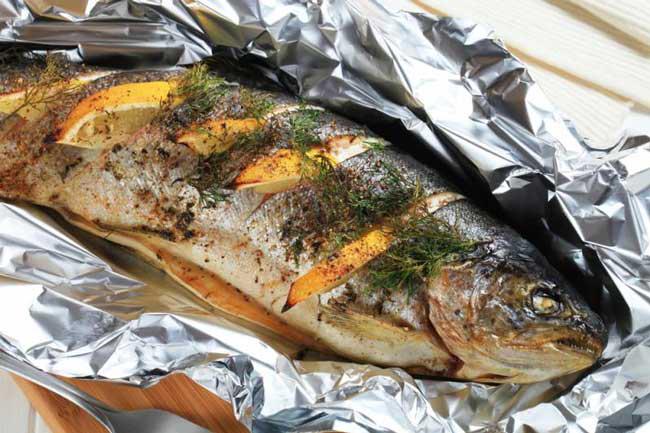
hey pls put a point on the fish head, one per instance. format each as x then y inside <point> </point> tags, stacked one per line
<point>513,319</point>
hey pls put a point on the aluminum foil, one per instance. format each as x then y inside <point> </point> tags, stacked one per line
<point>73,306</point>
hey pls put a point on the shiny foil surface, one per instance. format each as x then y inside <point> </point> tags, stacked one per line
<point>72,305</point>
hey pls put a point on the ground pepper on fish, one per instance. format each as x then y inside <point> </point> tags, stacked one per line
<point>303,124</point>
<point>203,95</point>
<point>200,94</point>
<point>21,68</point>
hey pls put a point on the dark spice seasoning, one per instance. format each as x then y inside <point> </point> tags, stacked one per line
<point>163,233</point>
<point>255,104</point>
<point>184,219</point>
<point>69,167</point>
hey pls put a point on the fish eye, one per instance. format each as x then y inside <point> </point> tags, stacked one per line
<point>545,303</point>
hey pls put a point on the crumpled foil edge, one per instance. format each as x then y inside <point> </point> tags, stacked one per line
<point>454,87</point>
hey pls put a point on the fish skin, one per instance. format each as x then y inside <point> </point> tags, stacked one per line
<point>472,321</point>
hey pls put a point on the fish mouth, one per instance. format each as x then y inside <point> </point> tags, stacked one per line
<point>585,346</point>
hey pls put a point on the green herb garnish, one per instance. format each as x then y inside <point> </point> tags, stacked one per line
<point>304,124</point>
<point>393,193</point>
<point>212,195</point>
<point>376,144</point>
<point>200,89</point>
<point>49,87</point>
<point>422,245</point>
<point>341,204</point>
<point>200,92</point>
<point>255,105</point>
<point>296,248</point>
<point>208,179</point>
<point>216,171</point>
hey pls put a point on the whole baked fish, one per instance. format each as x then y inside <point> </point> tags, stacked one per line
<point>291,217</point>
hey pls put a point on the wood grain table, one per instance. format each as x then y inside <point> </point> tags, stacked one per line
<point>592,59</point>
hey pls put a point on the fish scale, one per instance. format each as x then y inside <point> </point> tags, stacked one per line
<point>500,313</point>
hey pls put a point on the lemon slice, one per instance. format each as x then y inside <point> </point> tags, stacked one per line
<point>9,102</point>
<point>111,115</point>
<point>338,268</point>
<point>217,135</point>
<point>283,169</point>
<point>15,102</point>
<point>273,173</point>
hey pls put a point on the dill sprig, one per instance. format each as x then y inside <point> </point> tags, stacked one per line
<point>15,56</point>
<point>304,124</point>
<point>393,193</point>
<point>50,86</point>
<point>256,105</point>
<point>422,246</point>
<point>209,180</point>
<point>342,204</point>
<point>376,144</point>
<point>217,171</point>
<point>200,92</point>
<point>200,89</point>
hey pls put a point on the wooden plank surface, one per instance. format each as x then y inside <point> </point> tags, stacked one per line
<point>176,393</point>
<point>591,57</point>
<point>585,59</point>
<point>559,35</point>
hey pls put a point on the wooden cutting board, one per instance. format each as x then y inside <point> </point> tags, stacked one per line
<point>176,393</point>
